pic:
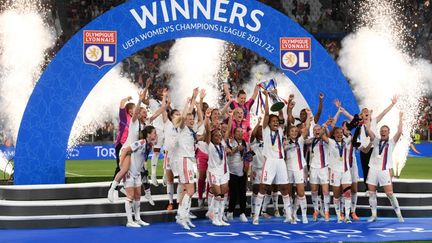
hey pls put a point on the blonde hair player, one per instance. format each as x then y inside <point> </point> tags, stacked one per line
<point>187,139</point>
<point>380,167</point>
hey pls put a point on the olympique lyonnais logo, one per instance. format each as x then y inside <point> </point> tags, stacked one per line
<point>295,54</point>
<point>100,47</point>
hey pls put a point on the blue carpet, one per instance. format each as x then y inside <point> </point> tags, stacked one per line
<point>386,229</point>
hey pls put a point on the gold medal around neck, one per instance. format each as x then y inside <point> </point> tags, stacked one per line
<point>379,156</point>
<point>340,158</point>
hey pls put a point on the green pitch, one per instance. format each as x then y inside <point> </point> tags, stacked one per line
<point>102,170</point>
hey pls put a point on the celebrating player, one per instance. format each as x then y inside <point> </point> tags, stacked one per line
<point>380,165</point>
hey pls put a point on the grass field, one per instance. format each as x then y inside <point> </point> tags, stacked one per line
<point>416,168</point>
<point>102,170</point>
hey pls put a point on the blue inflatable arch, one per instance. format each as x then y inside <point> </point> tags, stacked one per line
<point>134,25</point>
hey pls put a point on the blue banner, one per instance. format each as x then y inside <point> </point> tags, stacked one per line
<point>137,24</point>
<point>425,150</point>
<point>96,152</point>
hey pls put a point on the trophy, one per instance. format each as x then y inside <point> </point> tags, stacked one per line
<point>276,101</point>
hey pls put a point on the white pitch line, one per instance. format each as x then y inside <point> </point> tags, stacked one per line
<point>74,174</point>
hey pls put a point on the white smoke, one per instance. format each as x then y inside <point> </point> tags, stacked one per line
<point>194,62</point>
<point>285,86</point>
<point>374,60</point>
<point>24,40</point>
<point>102,104</point>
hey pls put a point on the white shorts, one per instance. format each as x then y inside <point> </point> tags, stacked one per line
<point>132,181</point>
<point>256,176</point>
<point>379,177</point>
<point>274,171</point>
<point>354,174</point>
<point>319,176</point>
<point>295,177</point>
<point>217,180</point>
<point>160,136</point>
<point>340,178</point>
<point>186,169</point>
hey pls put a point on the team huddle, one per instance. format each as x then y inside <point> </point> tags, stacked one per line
<point>219,151</point>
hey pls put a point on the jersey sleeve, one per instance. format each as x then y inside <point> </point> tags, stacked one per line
<point>137,145</point>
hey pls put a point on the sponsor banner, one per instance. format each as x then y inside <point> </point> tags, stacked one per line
<point>96,152</point>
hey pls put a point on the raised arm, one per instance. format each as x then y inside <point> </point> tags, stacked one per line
<point>161,109</point>
<point>320,107</point>
<point>138,106</point>
<point>146,101</point>
<point>255,130</point>
<point>124,101</point>
<point>207,136</point>
<point>324,134</point>
<point>199,107</point>
<point>255,93</point>
<point>193,100</point>
<point>400,127</point>
<point>227,92</point>
<point>167,108</point>
<point>336,117</point>
<point>290,107</point>
<point>305,131</point>
<point>386,110</point>
<point>338,104</point>
<point>225,109</point>
<point>369,130</point>
<point>266,110</point>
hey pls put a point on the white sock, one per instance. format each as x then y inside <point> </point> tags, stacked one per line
<point>395,204</point>
<point>170,192</point>
<point>326,202</point>
<point>217,204</point>
<point>147,193</point>
<point>287,206</point>
<point>114,184</point>
<point>342,202</point>
<point>303,205</point>
<point>258,203</point>
<point>336,203</point>
<point>315,200</point>
<point>210,201</point>
<point>221,208</point>
<point>137,208</point>
<point>154,162</point>
<point>353,201</point>
<point>128,208</point>
<point>266,202</point>
<point>348,206</point>
<point>275,199</point>
<point>373,202</point>
<point>186,202</point>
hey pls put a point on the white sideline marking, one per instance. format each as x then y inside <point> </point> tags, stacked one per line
<point>74,174</point>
